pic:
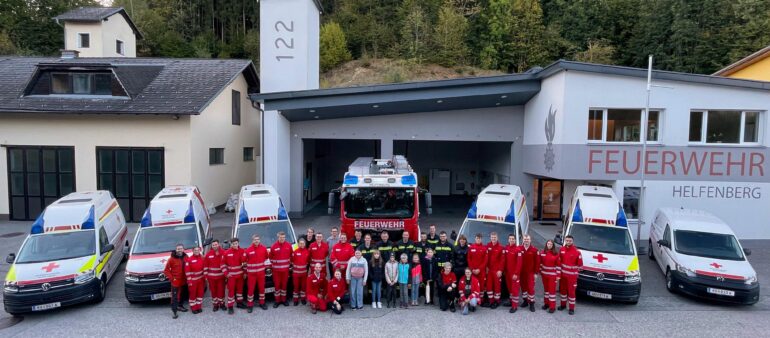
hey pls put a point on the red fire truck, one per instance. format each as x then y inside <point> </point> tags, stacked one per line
<point>380,195</point>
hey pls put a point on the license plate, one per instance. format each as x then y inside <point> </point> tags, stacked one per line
<point>269,290</point>
<point>46,306</point>
<point>160,295</point>
<point>599,295</point>
<point>721,292</point>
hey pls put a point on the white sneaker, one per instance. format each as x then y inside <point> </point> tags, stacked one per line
<point>379,305</point>
<point>374,305</point>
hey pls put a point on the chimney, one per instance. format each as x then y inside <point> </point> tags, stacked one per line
<point>69,53</point>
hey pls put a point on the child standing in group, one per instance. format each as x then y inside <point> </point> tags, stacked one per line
<point>377,274</point>
<point>403,280</point>
<point>416,276</point>
<point>391,279</point>
<point>429,275</point>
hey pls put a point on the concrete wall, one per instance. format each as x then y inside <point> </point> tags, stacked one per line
<point>96,46</point>
<point>86,132</point>
<point>214,129</point>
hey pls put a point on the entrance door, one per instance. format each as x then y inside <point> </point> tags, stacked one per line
<point>548,199</point>
<point>133,175</point>
<point>38,176</point>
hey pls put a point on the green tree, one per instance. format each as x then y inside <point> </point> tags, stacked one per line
<point>6,45</point>
<point>449,37</point>
<point>333,46</point>
<point>526,47</point>
<point>251,46</point>
<point>414,32</point>
<point>496,23</point>
<point>598,51</point>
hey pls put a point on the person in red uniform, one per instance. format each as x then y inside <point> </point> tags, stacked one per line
<point>319,250</point>
<point>477,261</point>
<point>341,254</point>
<point>550,270</point>
<point>530,267</point>
<point>280,258</point>
<point>336,290</point>
<point>214,269</point>
<point>447,288</point>
<point>470,291</point>
<point>255,257</point>
<point>233,259</point>
<point>316,288</point>
<point>571,264</point>
<point>299,261</point>
<point>495,266</point>
<point>512,272</point>
<point>195,284</point>
<point>174,272</point>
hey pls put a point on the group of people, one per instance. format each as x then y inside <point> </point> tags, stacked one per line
<point>329,273</point>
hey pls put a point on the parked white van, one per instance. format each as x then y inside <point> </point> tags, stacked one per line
<point>701,257</point>
<point>500,208</point>
<point>260,211</point>
<point>177,214</point>
<point>72,251</point>
<point>599,226</point>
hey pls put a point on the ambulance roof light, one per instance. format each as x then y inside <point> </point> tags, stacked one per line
<point>243,216</point>
<point>578,215</point>
<point>282,211</point>
<point>146,219</point>
<point>472,210</point>
<point>621,220</point>
<point>37,227</point>
<point>90,222</point>
<point>190,216</point>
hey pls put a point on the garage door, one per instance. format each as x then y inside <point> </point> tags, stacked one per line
<point>133,175</point>
<point>38,176</point>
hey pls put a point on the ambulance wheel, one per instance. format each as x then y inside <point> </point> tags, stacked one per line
<point>670,281</point>
<point>650,254</point>
<point>101,290</point>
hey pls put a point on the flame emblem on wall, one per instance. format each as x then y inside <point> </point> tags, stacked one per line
<point>550,132</point>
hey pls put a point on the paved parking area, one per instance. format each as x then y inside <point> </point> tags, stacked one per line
<point>658,312</point>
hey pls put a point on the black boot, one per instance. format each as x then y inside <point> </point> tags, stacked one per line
<point>296,302</point>
<point>263,306</point>
<point>507,303</point>
<point>276,305</point>
<point>304,302</point>
<point>532,307</point>
<point>286,303</point>
<point>551,310</point>
<point>571,312</point>
<point>561,307</point>
<point>240,305</point>
<point>524,303</point>
<point>181,308</point>
<point>215,309</point>
<point>494,305</point>
<point>174,315</point>
<point>512,310</point>
<point>545,306</point>
<point>230,311</point>
<point>250,309</point>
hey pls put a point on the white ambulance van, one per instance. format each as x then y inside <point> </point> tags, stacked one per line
<point>177,214</point>
<point>599,226</point>
<point>701,257</point>
<point>73,249</point>
<point>260,211</point>
<point>500,208</point>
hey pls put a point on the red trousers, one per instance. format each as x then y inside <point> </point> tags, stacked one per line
<point>549,285</point>
<point>234,290</point>
<point>217,289</point>
<point>567,288</point>
<point>298,281</point>
<point>493,287</point>
<point>528,286</point>
<point>513,290</point>
<point>316,302</point>
<point>482,277</point>
<point>255,280</point>
<point>195,291</point>
<point>281,283</point>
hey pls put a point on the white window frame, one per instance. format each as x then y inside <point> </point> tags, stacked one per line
<point>641,111</point>
<point>80,39</point>
<point>119,42</point>
<point>704,128</point>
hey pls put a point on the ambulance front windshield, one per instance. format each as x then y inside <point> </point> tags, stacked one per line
<point>609,239</point>
<point>473,227</point>
<point>267,231</point>
<point>165,238</point>
<point>379,202</point>
<point>57,246</point>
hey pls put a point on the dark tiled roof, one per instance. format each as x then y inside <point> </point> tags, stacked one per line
<point>155,85</point>
<point>96,14</point>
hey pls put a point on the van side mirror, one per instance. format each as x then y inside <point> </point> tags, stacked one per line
<point>428,201</point>
<point>557,239</point>
<point>665,243</point>
<point>11,258</point>
<point>107,248</point>
<point>745,251</point>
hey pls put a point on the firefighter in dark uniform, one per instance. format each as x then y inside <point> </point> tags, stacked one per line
<point>421,247</point>
<point>385,246</point>
<point>404,246</point>
<point>444,251</point>
<point>460,260</point>
<point>433,237</point>
<point>357,240</point>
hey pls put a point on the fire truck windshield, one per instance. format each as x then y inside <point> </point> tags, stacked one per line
<point>379,202</point>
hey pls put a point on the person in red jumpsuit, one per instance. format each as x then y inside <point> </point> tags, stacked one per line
<point>174,272</point>
<point>513,272</point>
<point>477,261</point>
<point>319,250</point>
<point>530,267</point>
<point>550,270</point>
<point>341,254</point>
<point>495,266</point>
<point>195,284</point>
<point>214,269</point>
<point>335,291</point>
<point>470,291</point>
<point>316,288</point>
<point>280,258</point>
<point>255,257</point>
<point>571,264</point>
<point>233,259</point>
<point>299,261</point>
